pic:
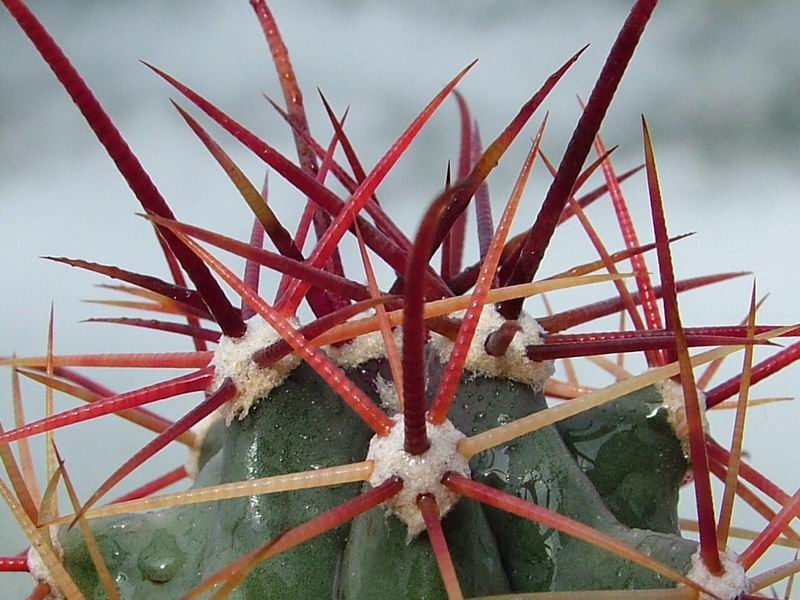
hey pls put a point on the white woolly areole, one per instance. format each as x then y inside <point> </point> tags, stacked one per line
<point>728,586</point>
<point>387,393</point>
<point>359,350</point>
<point>40,572</point>
<point>420,474</point>
<point>200,431</point>
<point>233,358</point>
<point>672,400</point>
<point>514,364</point>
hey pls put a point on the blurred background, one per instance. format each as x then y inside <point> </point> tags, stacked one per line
<point>719,82</point>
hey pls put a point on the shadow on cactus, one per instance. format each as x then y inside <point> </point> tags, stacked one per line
<point>411,441</point>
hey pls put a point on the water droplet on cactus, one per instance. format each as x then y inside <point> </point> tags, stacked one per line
<point>161,559</point>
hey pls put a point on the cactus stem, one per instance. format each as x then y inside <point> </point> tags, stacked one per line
<point>151,487</point>
<point>184,384</point>
<point>538,239</point>
<point>726,507</point>
<point>139,416</point>
<point>458,357</point>
<point>326,477</point>
<point>430,514</point>
<point>539,514</point>
<point>238,570</point>
<point>330,373</point>
<point>505,433</point>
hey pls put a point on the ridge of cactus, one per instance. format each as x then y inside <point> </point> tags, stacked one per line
<point>423,434</point>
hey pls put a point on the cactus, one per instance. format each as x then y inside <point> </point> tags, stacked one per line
<point>411,441</point>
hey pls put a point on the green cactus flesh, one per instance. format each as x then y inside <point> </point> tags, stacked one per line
<point>614,470</point>
<point>302,425</point>
<point>629,452</point>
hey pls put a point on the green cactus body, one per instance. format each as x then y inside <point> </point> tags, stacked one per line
<point>151,555</point>
<point>538,467</point>
<point>301,425</point>
<point>317,395</point>
<point>632,457</point>
<point>380,561</point>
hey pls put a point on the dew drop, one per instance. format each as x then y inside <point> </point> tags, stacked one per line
<point>161,559</point>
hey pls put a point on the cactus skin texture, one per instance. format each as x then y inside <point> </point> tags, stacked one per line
<point>161,554</point>
<point>582,499</point>
<point>169,552</point>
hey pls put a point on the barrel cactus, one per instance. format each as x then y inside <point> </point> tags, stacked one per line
<point>411,440</point>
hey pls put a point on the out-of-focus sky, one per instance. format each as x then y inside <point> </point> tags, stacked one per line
<point>719,82</point>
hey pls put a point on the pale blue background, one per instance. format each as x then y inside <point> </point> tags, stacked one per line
<point>718,81</point>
